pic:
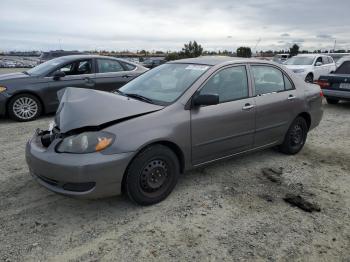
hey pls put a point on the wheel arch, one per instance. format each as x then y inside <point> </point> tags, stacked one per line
<point>310,73</point>
<point>307,118</point>
<point>171,145</point>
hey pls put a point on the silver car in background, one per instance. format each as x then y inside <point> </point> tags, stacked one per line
<point>178,116</point>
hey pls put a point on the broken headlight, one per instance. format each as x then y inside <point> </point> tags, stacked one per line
<point>87,142</point>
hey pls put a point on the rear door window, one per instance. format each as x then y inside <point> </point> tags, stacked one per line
<point>108,66</point>
<point>267,79</point>
<point>129,67</point>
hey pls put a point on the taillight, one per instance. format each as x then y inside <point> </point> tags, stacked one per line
<point>321,94</point>
<point>322,83</point>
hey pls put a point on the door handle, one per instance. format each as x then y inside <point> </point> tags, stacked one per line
<point>127,76</point>
<point>89,81</point>
<point>248,107</point>
<point>291,97</point>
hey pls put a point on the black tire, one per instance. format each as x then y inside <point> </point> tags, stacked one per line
<point>24,114</point>
<point>152,175</point>
<point>295,137</point>
<point>309,78</point>
<point>332,101</point>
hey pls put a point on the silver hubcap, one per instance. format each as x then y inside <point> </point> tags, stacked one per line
<point>25,108</point>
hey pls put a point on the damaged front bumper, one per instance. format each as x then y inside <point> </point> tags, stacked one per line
<point>92,175</point>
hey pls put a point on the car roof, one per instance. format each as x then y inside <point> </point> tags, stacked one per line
<point>69,58</point>
<point>313,55</point>
<point>73,57</point>
<point>215,60</point>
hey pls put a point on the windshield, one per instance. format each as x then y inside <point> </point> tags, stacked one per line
<point>45,67</point>
<point>165,83</point>
<point>300,60</point>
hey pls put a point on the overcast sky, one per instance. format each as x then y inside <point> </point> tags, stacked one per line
<point>168,24</point>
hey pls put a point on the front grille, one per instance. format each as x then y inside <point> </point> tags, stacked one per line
<point>79,187</point>
<point>74,187</point>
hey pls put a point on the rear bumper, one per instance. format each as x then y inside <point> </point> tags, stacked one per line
<point>330,93</point>
<point>80,175</point>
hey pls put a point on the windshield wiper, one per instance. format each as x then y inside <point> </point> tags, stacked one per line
<point>25,72</point>
<point>118,92</point>
<point>139,97</point>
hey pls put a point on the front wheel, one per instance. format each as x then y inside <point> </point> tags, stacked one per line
<point>309,78</point>
<point>152,175</point>
<point>24,107</point>
<point>295,137</point>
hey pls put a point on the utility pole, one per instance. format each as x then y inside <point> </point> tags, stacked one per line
<point>257,42</point>
<point>335,42</point>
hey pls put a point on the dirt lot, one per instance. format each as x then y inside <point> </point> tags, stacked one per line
<point>228,211</point>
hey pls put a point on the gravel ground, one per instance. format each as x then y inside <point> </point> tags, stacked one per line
<point>228,211</point>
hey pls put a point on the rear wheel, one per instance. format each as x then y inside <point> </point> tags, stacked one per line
<point>24,107</point>
<point>309,78</point>
<point>332,101</point>
<point>295,137</point>
<point>152,175</point>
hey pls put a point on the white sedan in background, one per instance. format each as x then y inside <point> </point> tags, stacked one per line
<point>311,66</point>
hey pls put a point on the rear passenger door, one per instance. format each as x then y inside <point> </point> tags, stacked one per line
<point>276,102</point>
<point>228,127</point>
<point>111,74</point>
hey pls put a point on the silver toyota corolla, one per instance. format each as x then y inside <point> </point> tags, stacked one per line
<point>176,117</point>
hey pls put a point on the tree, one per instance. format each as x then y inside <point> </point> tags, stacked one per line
<point>244,52</point>
<point>172,56</point>
<point>192,50</point>
<point>294,50</point>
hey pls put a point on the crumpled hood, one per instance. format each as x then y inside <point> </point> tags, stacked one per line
<point>12,76</point>
<point>81,108</point>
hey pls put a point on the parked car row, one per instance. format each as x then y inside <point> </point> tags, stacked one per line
<point>310,66</point>
<point>175,117</point>
<point>336,86</point>
<point>25,96</point>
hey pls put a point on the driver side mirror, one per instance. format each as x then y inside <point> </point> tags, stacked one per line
<point>206,100</point>
<point>58,74</point>
<point>318,64</point>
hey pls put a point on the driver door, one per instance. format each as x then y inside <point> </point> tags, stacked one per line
<point>77,74</point>
<point>228,127</point>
